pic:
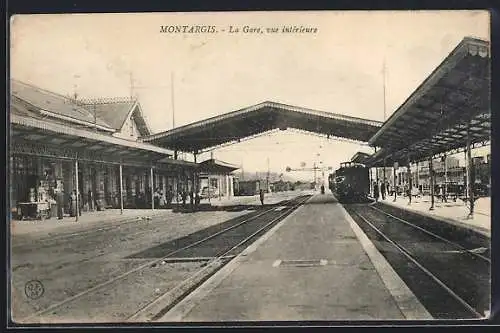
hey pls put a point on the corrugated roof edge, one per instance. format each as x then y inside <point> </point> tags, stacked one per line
<point>219,162</point>
<point>454,56</point>
<point>255,107</point>
<point>64,129</point>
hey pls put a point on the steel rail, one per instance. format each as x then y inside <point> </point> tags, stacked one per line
<point>434,235</point>
<point>407,254</point>
<point>147,264</point>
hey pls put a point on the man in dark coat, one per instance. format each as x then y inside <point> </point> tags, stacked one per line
<point>60,204</point>
<point>375,191</point>
<point>261,194</point>
<point>382,190</point>
<point>184,197</point>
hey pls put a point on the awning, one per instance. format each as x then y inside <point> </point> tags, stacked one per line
<point>453,101</point>
<point>260,118</point>
<point>213,166</point>
<point>82,143</point>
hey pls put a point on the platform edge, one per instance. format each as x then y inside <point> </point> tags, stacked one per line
<point>455,223</point>
<point>405,299</point>
<point>181,309</point>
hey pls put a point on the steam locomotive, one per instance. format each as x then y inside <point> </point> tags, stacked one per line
<point>350,183</point>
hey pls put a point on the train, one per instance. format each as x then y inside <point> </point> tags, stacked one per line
<point>350,183</point>
<point>248,187</point>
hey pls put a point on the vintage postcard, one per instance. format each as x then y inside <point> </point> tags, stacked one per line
<point>249,167</point>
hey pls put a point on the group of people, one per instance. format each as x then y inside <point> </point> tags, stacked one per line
<point>163,200</point>
<point>377,192</point>
<point>383,189</point>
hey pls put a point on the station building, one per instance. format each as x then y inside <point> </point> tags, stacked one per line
<point>59,144</point>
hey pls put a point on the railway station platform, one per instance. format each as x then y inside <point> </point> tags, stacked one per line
<point>451,212</point>
<point>316,264</point>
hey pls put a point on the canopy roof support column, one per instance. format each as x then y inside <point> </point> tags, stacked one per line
<point>445,187</point>
<point>209,188</point>
<point>417,178</point>
<point>151,187</point>
<point>394,167</point>
<point>385,179</point>
<point>470,181</point>
<point>431,182</point>
<point>408,170</point>
<point>371,181</point>
<point>77,191</point>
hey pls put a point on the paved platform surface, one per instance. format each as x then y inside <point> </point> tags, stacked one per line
<point>452,212</point>
<point>340,283</point>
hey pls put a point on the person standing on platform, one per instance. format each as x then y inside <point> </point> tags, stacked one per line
<point>59,201</point>
<point>382,190</point>
<point>170,195</point>
<point>191,199</point>
<point>156,198</point>
<point>72,204</point>
<point>183,197</point>
<point>375,191</point>
<point>163,200</point>
<point>261,195</point>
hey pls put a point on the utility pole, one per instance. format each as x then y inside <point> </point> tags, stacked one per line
<point>131,86</point>
<point>172,98</point>
<point>267,176</point>
<point>314,167</point>
<point>383,75</point>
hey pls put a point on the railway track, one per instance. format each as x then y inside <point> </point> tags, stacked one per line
<point>214,250</point>
<point>449,273</point>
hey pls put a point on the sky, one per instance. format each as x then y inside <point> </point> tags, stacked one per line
<point>337,69</point>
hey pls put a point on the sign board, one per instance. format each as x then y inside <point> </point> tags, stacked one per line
<point>396,165</point>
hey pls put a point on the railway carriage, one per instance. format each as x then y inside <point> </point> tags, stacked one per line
<point>350,183</point>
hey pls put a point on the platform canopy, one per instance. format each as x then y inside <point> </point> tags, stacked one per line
<point>360,157</point>
<point>453,101</point>
<point>260,118</point>
<point>213,166</point>
<point>45,138</point>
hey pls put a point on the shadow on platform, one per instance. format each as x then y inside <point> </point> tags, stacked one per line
<point>227,208</point>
